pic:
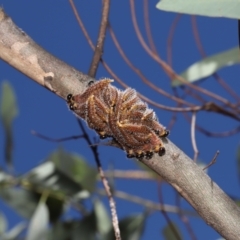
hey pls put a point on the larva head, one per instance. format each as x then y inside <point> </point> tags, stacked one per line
<point>72,106</point>
<point>161,151</point>
<point>149,155</point>
<point>69,97</point>
<point>166,133</point>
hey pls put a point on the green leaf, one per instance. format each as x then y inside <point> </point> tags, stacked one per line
<point>209,66</point>
<point>102,218</point>
<point>9,108</point>
<point>15,231</point>
<point>84,229</point>
<point>132,227</point>
<point>92,226</point>
<point>61,230</point>
<point>210,8</point>
<point>47,177</point>
<point>75,167</point>
<point>87,227</point>
<point>24,201</point>
<point>56,176</point>
<point>3,224</point>
<point>21,200</point>
<point>169,234</point>
<point>39,223</point>
<point>4,178</point>
<point>8,111</point>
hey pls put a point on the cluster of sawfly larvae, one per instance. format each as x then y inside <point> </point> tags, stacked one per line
<point>122,116</point>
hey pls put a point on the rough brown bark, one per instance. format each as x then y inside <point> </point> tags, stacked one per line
<point>212,204</point>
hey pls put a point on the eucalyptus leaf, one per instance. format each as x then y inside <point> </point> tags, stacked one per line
<point>103,221</point>
<point>75,229</point>
<point>209,8</point>
<point>209,66</point>
<point>38,226</point>
<point>75,167</point>
<point>21,200</point>
<point>169,234</point>
<point>96,223</point>
<point>15,231</point>
<point>87,228</point>
<point>4,177</point>
<point>8,112</point>
<point>24,202</point>
<point>3,224</point>
<point>61,230</point>
<point>46,176</point>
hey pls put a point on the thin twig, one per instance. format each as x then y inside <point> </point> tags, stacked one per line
<point>132,174</point>
<point>92,73</point>
<point>85,33</point>
<point>219,134</point>
<point>170,38</point>
<point>188,109</point>
<point>193,137</point>
<point>194,94</point>
<point>148,27</point>
<point>105,183</point>
<point>101,37</point>
<point>213,134</point>
<point>140,74</point>
<point>93,147</point>
<point>188,91</point>
<point>213,161</point>
<point>169,71</point>
<point>74,137</point>
<point>149,204</point>
<point>197,108</point>
<point>175,114</point>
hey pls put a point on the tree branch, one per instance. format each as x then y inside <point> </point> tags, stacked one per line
<point>21,52</point>
<point>213,205</point>
<point>101,37</point>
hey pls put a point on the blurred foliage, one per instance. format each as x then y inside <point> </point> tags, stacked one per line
<point>75,167</point>
<point>38,225</point>
<point>8,112</point>
<point>169,234</point>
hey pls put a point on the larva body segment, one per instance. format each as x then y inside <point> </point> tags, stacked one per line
<point>121,115</point>
<point>96,116</point>
<point>110,95</point>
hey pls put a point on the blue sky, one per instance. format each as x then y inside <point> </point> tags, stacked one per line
<point>53,26</point>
